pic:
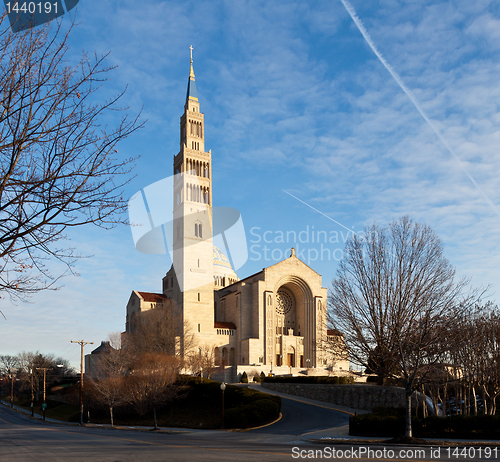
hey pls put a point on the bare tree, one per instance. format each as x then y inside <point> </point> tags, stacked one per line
<point>159,330</point>
<point>153,382</point>
<point>31,363</point>
<point>333,347</point>
<point>203,360</point>
<point>395,298</point>
<point>485,354</point>
<point>8,362</point>
<point>59,166</point>
<point>108,381</point>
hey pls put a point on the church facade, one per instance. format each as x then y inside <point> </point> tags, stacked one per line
<point>272,321</point>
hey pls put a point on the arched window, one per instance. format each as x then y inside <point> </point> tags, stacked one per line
<point>198,230</point>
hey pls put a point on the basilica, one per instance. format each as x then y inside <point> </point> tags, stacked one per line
<point>273,321</point>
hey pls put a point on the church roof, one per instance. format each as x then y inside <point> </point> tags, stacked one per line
<point>104,347</point>
<point>191,91</point>
<point>224,325</point>
<point>334,332</point>
<point>220,259</point>
<point>151,297</point>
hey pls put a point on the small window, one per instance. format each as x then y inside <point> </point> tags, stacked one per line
<point>199,328</point>
<point>197,229</point>
<point>199,296</point>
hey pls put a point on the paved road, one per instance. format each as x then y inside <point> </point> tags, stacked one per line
<point>23,439</point>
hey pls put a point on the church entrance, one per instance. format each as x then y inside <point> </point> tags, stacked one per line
<point>290,357</point>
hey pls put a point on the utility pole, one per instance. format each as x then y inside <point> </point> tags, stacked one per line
<point>44,404</point>
<point>82,344</point>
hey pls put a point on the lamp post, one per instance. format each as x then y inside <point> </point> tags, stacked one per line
<point>222,387</point>
<point>32,397</point>
<point>201,374</point>
<point>11,387</point>
<point>307,362</point>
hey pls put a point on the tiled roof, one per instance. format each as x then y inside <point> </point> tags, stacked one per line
<point>220,259</point>
<point>150,297</point>
<point>224,325</point>
<point>334,332</point>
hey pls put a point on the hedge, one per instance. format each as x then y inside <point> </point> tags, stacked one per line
<point>244,407</point>
<point>461,426</point>
<point>311,379</point>
<point>253,414</point>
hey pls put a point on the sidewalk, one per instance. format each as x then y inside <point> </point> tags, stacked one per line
<point>35,415</point>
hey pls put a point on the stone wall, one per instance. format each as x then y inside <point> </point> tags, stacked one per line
<point>364,397</point>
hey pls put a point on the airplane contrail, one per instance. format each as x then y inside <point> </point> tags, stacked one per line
<point>397,78</point>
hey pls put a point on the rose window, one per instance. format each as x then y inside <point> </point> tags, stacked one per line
<point>284,302</point>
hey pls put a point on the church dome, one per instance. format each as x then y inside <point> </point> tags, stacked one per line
<point>221,260</point>
<point>223,271</point>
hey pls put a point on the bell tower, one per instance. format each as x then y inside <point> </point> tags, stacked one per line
<point>193,227</point>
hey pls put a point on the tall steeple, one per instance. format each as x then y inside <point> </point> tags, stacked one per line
<point>193,235</point>
<point>191,91</point>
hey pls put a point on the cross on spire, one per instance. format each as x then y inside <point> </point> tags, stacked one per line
<point>191,47</point>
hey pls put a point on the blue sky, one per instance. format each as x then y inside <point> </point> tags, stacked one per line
<point>295,101</point>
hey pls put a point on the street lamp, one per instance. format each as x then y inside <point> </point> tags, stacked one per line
<point>222,387</point>
<point>11,387</point>
<point>32,398</point>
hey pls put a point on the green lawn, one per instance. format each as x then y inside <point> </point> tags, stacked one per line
<point>199,405</point>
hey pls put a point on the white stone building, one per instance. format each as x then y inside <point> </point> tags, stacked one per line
<point>274,320</point>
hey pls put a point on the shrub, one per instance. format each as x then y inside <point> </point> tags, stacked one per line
<point>262,376</point>
<point>244,378</point>
<point>389,411</point>
<point>391,422</point>
<point>311,379</point>
<point>253,414</point>
<point>256,378</point>
<point>374,425</point>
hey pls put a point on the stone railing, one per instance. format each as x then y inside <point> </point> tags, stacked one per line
<point>364,397</point>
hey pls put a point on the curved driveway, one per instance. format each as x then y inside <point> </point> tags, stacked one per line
<point>24,439</point>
